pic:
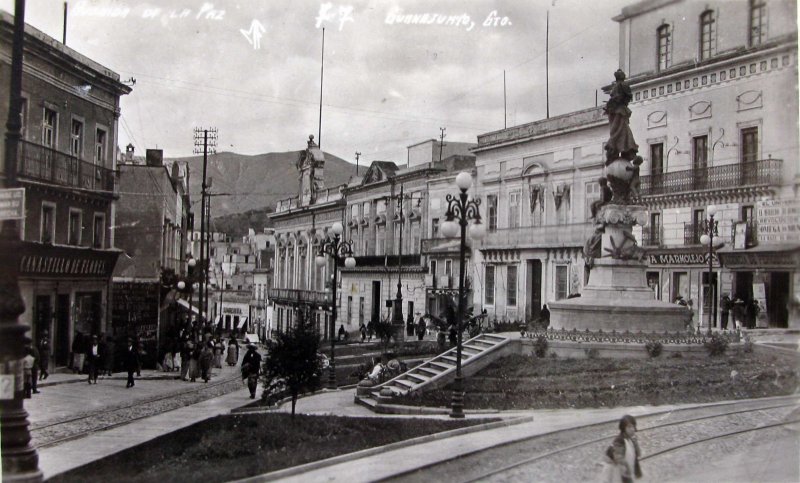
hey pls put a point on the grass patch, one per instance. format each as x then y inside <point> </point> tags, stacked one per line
<point>520,382</point>
<point>237,446</point>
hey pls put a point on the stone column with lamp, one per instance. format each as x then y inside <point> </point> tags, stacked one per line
<point>710,231</point>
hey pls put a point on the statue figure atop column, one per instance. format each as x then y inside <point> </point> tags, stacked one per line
<point>311,165</point>
<point>622,162</point>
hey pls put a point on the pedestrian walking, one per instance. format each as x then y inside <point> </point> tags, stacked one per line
<point>342,333</point>
<point>738,311</point>
<point>30,366</point>
<point>93,356</point>
<point>44,355</point>
<point>131,361</point>
<point>725,308</point>
<point>251,368</point>
<point>410,326</point>
<point>186,355</point>
<point>622,457</point>
<point>363,331</point>
<point>194,360</point>
<point>78,352</point>
<point>206,360</point>
<point>233,352</point>
<point>219,350</point>
<point>370,331</point>
<point>110,355</point>
<point>421,328</point>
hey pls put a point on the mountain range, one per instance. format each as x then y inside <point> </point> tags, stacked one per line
<point>244,186</point>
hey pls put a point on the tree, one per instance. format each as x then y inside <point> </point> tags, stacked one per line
<point>292,364</point>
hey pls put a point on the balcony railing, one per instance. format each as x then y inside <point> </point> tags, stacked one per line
<point>41,163</point>
<point>761,172</point>
<point>574,234</point>
<point>652,236</point>
<point>692,233</point>
<point>442,245</point>
<point>291,295</point>
<point>387,260</point>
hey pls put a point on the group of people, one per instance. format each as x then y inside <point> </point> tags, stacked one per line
<point>195,359</point>
<point>744,314</point>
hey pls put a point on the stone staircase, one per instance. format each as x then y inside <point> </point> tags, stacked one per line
<point>437,372</point>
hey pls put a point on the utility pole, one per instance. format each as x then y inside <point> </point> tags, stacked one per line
<point>205,139</point>
<point>358,155</point>
<point>442,135</point>
<point>397,316</point>
<point>20,461</point>
<point>208,243</point>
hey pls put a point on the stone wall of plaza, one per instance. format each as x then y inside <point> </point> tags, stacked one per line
<point>536,183</point>
<point>717,124</point>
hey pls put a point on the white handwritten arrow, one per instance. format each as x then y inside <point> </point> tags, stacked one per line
<point>253,35</point>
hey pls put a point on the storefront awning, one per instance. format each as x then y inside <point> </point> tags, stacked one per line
<point>768,256</point>
<point>183,303</point>
<point>242,321</point>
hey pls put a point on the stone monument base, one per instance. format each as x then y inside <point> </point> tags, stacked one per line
<point>617,298</point>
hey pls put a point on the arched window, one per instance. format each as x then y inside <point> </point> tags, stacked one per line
<point>758,22</point>
<point>664,47</point>
<point>708,35</point>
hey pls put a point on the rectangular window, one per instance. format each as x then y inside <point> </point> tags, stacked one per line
<point>708,35</point>
<point>433,270</point>
<point>491,211</point>
<point>653,232</point>
<point>562,282</point>
<point>360,311</point>
<point>434,227</point>
<point>749,144</point>
<point>758,22</point>
<point>76,139</point>
<point>657,158</point>
<point>514,201</point>
<point>380,207</point>
<point>99,230</point>
<point>354,211</point>
<point>349,309</point>
<point>380,240</point>
<point>75,221</point>
<point>49,128</point>
<point>365,208</point>
<point>664,47</point>
<point>748,213</point>
<point>47,229</point>
<point>448,267</point>
<point>592,195</point>
<point>489,288</point>
<point>700,152</point>
<point>511,286</point>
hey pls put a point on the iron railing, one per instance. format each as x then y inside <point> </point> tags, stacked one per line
<point>298,296</point>
<point>41,163</point>
<point>387,260</point>
<point>692,233</point>
<point>761,172</point>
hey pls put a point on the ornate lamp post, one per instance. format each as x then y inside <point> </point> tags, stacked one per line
<point>707,238</point>
<point>337,249</point>
<point>459,211</point>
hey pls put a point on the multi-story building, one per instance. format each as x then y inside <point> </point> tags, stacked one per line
<point>152,217</point>
<point>66,166</point>
<point>301,223</point>
<point>536,183</point>
<point>715,114</point>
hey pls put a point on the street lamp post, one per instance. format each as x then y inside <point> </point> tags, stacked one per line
<point>336,248</point>
<point>710,230</point>
<point>459,211</point>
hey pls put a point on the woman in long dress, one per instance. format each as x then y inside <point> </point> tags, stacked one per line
<point>219,350</point>
<point>233,352</point>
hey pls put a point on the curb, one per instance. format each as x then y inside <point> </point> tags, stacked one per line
<point>276,475</point>
<point>112,378</point>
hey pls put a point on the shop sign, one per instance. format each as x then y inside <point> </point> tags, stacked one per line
<point>12,204</point>
<point>680,259</point>
<point>778,220</point>
<point>65,262</point>
<point>232,310</point>
<point>761,260</point>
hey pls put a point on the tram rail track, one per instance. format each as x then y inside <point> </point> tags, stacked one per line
<point>117,414</point>
<point>581,444</point>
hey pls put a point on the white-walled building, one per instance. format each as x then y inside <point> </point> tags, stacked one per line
<point>715,114</point>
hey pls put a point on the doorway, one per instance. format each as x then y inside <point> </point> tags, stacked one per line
<point>533,297</point>
<point>60,341</point>
<point>375,315</point>
<point>777,299</point>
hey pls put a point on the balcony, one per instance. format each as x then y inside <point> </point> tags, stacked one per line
<point>297,296</point>
<point>754,173</point>
<point>440,246</point>
<point>387,261</point>
<point>549,236</point>
<point>692,233</point>
<point>40,163</point>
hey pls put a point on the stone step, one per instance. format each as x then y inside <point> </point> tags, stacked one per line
<point>419,377</point>
<point>405,382</point>
<point>441,364</point>
<point>429,369</point>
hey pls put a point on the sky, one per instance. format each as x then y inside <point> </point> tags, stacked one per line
<point>252,68</point>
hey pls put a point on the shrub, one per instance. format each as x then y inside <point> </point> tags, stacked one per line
<point>553,355</point>
<point>654,348</point>
<point>716,345</point>
<point>591,353</point>
<point>747,347</point>
<point>540,346</point>
<point>677,355</point>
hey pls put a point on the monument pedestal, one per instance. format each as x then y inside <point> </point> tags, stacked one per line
<point>617,296</point>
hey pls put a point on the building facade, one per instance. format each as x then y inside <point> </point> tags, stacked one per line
<point>715,114</point>
<point>536,183</point>
<point>152,220</point>
<point>66,166</point>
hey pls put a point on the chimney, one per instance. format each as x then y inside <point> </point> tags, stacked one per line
<point>154,157</point>
<point>129,153</point>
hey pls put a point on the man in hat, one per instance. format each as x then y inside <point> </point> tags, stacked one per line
<point>251,367</point>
